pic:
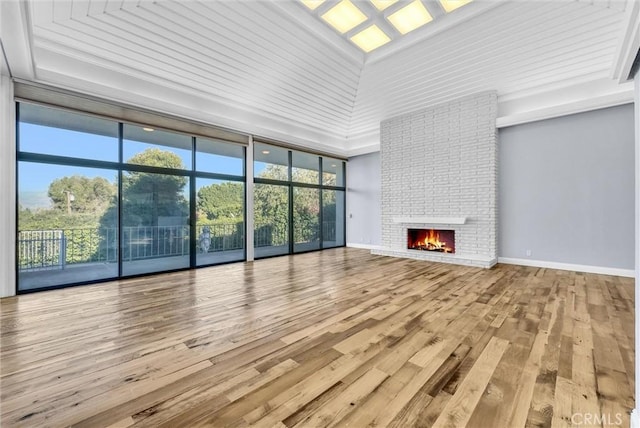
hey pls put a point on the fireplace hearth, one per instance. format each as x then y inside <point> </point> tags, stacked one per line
<point>437,240</point>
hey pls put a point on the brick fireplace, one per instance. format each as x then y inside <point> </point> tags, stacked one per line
<point>439,171</point>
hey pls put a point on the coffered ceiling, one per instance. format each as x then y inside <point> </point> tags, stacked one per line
<point>272,68</point>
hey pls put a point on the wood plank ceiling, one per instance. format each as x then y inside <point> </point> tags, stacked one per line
<point>273,69</point>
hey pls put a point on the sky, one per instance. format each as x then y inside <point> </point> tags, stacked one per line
<point>34,179</point>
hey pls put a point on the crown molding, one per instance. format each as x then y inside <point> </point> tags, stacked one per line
<point>363,150</point>
<point>562,102</point>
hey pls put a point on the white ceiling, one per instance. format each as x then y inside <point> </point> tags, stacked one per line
<point>273,69</point>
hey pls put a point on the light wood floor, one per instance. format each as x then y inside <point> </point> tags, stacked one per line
<point>338,337</point>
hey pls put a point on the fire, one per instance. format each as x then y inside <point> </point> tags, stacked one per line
<point>430,240</point>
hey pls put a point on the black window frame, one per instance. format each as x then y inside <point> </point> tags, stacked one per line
<point>320,186</point>
<point>119,168</point>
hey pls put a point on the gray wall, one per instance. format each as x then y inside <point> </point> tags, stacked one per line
<point>566,189</point>
<point>363,200</point>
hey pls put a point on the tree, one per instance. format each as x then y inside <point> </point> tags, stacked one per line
<point>148,196</point>
<point>306,214</point>
<point>222,202</point>
<point>80,194</point>
<point>271,204</point>
<point>271,213</point>
<point>78,202</point>
<point>150,201</point>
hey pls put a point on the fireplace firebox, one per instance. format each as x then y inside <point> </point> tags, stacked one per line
<point>438,240</point>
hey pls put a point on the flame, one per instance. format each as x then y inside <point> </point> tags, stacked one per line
<point>432,242</point>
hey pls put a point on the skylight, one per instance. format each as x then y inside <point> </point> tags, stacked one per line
<point>371,38</point>
<point>370,24</point>
<point>312,4</point>
<point>383,4</point>
<point>410,17</point>
<point>451,5</point>
<point>344,16</point>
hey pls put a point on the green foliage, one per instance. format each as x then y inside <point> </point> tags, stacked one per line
<point>222,202</point>
<point>275,172</point>
<point>81,194</point>
<point>159,158</point>
<point>52,219</point>
<point>146,196</point>
<point>306,214</point>
<point>271,206</point>
<point>271,211</point>
<point>90,227</point>
<point>146,199</point>
<point>80,231</point>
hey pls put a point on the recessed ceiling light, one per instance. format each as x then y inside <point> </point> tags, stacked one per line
<point>371,38</point>
<point>265,152</point>
<point>312,4</point>
<point>383,4</point>
<point>410,17</point>
<point>450,5</point>
<point>344,16</point>
<point>148,129</point>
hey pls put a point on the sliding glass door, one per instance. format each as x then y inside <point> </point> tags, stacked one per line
<point>67,225</point>
<point>220,202</point>
<point>99,199</point>
<point>155,206</point>
<point>271,220</point>
<point>333,209</point>
<point>299,206</point>
<point>306,219</point>
<point>220,221</point>
<point>67,214</point>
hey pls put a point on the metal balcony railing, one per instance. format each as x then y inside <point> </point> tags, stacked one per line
<point>56,249</point>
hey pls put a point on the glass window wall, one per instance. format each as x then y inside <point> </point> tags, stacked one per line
<point>155,222</point>
<point>86,214</point>
<point>271,220</point>
<point>100,199</point>
<point>147,146</point>
<point>49,131</point>
<point>306,219</point>
<point>308,210</point>
<point>305,168</point>
<point>219,157</point>
<point>270,162</point>
<point>333,221</point>
<point>67,225</point>
<point>220,221</point>
<point>332,172</point>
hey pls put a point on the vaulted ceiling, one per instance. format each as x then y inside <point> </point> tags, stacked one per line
<point>273,69</point>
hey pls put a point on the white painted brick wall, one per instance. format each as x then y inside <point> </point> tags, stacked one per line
<point>442,161</point>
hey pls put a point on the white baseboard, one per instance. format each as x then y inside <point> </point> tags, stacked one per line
<point>363,246</point>
<point>629,273</point>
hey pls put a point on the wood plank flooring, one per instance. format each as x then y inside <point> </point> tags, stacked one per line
<point>332,338</point>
